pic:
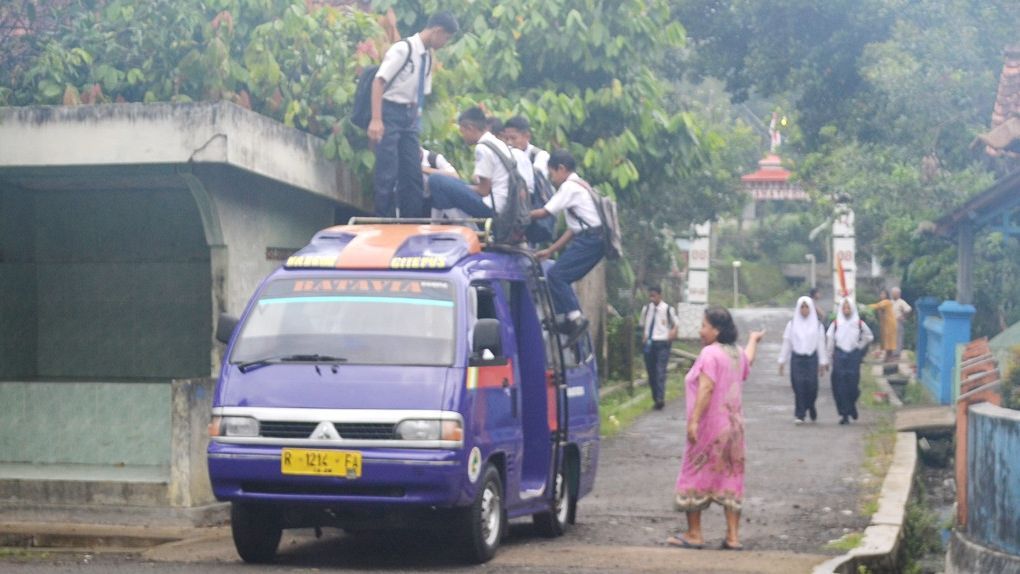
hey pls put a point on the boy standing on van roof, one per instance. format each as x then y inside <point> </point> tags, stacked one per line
<point>489,195</point>
<point>584,234</point>
<point>398,98</point>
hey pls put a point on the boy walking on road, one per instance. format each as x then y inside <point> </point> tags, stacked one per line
<point>398,98</point>
<point>584,234</point>
<point>658,331</point>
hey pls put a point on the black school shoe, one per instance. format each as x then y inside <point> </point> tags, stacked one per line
<point>574,329</point>
<point>813,413</point>
<point>844,420</point>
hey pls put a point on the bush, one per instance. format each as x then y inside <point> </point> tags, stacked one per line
<point>1011,383</point>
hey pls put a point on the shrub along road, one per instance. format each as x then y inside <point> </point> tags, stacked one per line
<point>802,491</point>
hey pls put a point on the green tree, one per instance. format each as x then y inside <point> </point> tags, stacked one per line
<point>591,75</point>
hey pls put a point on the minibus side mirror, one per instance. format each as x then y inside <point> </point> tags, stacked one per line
<point>487,338</point>
<point>225,327</point>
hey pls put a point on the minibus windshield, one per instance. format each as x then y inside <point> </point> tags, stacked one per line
<point>368,320</point>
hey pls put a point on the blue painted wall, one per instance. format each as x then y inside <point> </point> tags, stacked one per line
<point>939,336</point>
<point>993,483</point>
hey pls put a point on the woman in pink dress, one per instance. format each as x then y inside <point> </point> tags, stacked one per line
<point>713,463</point>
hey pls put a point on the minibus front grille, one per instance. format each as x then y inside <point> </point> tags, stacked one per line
<point>354,431</point>
<point>277,429</point>
<point>366,431</point>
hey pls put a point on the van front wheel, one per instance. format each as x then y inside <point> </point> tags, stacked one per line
<point>482,523</point>
<point>256,530</point>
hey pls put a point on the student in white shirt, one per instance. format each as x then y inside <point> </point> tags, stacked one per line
<point>517,132</point>
<point>804,348</point>
<point>848,337</point>
<point>584,235</point>
<point>659,327</point>
<point>398,97</point>
<point>489,194</point>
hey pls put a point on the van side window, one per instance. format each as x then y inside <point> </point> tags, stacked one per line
<point>485,301</point>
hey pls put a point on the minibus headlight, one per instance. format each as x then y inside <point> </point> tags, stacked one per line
<point>235,426</point>
<point>418,430</point>
<point>430,430</point>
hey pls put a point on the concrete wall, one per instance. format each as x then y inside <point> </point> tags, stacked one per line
<point>85,423</point>
<point>106,284</point>
<point>993,485</point>
<point>18,307</point>
<point>591,294</point>
<point>255,216</point>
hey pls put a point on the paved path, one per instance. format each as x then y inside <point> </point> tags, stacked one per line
<point>801,480</point>
<point>802,491</point>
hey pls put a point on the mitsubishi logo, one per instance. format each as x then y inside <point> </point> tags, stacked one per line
<point>325,431</point>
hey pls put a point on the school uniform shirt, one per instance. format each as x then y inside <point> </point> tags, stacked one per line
<point>403,87</point>
<point>574,199</point>
<point>539,159</point>
<point>665,320</point>
<point>804,335</point>
<point>848,334</point>
<point>489,166</point>
<point>442,164</point>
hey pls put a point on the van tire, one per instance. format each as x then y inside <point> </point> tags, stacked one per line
<point>555,521</point>
<point>256,530</point>
<point>483,523</point>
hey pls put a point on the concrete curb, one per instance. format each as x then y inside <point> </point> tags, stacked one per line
<point>882,537</point>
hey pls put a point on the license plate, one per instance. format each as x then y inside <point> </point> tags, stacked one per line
<point>339,463</point>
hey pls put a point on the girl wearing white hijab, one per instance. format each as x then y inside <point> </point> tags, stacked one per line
<point>804,348</point>
<point>848,337</point>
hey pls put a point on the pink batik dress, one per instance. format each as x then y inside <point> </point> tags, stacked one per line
<point>713,467</point>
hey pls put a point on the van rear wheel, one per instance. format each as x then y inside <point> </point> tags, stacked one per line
<point>481,524</point>
<point>256,530</point>
<point>554,522</point>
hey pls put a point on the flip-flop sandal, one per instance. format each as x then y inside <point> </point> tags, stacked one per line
<point>727,546</point>
<point>681,542</point>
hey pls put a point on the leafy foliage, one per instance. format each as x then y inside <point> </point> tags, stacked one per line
<point>587,73</point>
<point>889,96</point>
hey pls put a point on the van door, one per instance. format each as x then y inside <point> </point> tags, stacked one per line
<point>583,408</point>
<point>495,387</point>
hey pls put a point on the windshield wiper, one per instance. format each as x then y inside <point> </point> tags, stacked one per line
<point>297,358</point>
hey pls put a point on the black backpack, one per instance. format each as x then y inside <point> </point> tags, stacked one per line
<point>542,230</point>
<point>509,225</point>
<point>361,113</point>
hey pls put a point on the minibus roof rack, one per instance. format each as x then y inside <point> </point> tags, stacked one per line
<point>482,225</point>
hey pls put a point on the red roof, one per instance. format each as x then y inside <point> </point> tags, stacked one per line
<point>770,170</point>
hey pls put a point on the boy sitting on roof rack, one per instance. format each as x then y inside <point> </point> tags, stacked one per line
<point>489,195</point>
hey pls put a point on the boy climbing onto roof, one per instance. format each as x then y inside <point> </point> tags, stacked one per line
<point>583,239</point>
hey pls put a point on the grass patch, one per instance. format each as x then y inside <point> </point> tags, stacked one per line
<point>920,533</point>
<point>879,443</point>
<point>847,543</point>
<point>618,411</point>
<point>916,394</point>
<point>22,554</point>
